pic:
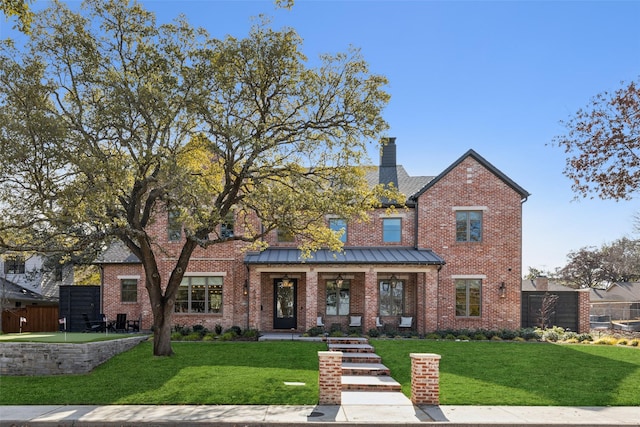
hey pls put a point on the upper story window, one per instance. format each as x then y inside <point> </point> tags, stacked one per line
<point>14,264</point>
<point>227,226</point>
<point>338,225</point>
<point>285,236</point>
<point>468,226</point>
<point>391,230</point>
<point>468,297</point>
<point>174,226</point>
<point>129,290</point>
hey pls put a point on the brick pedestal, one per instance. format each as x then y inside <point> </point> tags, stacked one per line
<point>330,377</point>
<point>425,378</point>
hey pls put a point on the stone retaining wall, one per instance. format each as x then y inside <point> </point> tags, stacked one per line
<point>31,358</point>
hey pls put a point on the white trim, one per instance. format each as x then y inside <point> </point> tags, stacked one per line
<point>128,277</point>
<point>205,273</point>
<point>394,215</point>
<point>469,208</point>
<point>468,276</point>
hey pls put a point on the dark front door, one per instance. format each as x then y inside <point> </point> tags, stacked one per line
<point>284,303</point>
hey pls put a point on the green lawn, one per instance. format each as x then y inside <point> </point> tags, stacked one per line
<point>472,373</point>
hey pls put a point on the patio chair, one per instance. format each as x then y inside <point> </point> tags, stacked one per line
<point>121,322</point>
<point>379,323</point>
<point>355,321</point>
<point>320,322</point>
<point>93,325</point>
<point>406,322</point>
<point>133,325</point>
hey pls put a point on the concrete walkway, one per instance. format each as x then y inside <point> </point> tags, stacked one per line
<point>372,414</point>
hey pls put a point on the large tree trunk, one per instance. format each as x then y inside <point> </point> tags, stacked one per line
<point>162,329</point>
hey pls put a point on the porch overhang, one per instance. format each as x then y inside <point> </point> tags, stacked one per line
<point>350,255</point>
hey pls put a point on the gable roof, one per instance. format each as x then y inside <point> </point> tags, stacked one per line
<point>14,292</point>
<point>618,292</point>
<point>477,157</point>
<point>407,184</point>
<point>117,253</point>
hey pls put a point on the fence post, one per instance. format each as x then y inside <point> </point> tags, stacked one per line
<point>330,377</point>
<point>425,378</point>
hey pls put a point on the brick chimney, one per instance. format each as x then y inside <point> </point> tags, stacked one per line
<point>387,173</point>
<point>541,283</point>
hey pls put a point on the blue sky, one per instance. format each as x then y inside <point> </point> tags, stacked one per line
<point>494,76</point>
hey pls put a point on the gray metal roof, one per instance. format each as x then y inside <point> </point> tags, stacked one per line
<point>351,255</point>
<point>14,292</point>
<point>117,253</point>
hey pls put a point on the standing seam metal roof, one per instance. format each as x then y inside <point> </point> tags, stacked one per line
<point>351,255</point>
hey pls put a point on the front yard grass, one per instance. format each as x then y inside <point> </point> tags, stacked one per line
<point>471,373</point>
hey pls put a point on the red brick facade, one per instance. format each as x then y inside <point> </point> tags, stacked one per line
<point>428,290</point>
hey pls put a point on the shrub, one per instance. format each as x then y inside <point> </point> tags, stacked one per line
<point>251,333</point>
<point>635,342</point>
<point>193,336</point>
<point>235,329</point>
<point>354,332</point>
<point>200,329</point>
<point>584,337</point>
<point>519,339</point>
<point>606,341</point>
<point>570,335</point>
<point>373,333</point>
<point>496,338</point>
<point>218,329</point>
<point>507,334</point>
<point>176,336</point>
<point>550,335</point>
<point>450,337</point>
<point>464,338</point>
<point>228,336</point>
<point>480,337</point>
<point>208,337</point>
<point>432,336</point>
<point>336,334</point>
<point>622,341</point>
<point>335,327</point>
<point>315,331</point>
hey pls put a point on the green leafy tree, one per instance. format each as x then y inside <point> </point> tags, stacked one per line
<point>111,121</point>
<point>603,145</point>
<point>20,9</point>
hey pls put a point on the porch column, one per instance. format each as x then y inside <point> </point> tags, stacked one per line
<point>431,300</point>
<point>255,296</point>
<point>312,299</point>
<point>370,300</point>
<point>421,311</point>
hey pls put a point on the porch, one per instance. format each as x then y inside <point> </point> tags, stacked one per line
<point>288,294</point>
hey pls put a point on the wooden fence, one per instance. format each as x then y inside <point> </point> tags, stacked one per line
<point>39,319</point>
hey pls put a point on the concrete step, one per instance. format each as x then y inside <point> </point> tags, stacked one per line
<point>364,369</point>
<point>351,348</point>
<point>384,398</point>
<point>347,340</point>
<point>369,383</point>
<point>360,358</point>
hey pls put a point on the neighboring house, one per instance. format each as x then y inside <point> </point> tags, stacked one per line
<point>546,303</point>
<point>32,273</point>
<point>18,302</point>
<point>620,301</point>
<point>451,260</point>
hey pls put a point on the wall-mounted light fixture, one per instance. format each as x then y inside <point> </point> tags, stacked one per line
<point>245,289</point>
<point>286,283</point>
<point>339,280</point>
<point>502,290</point>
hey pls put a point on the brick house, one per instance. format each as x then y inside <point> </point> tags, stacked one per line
<point>451,259</point>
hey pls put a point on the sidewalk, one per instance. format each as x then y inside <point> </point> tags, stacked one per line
<point>374,414</point>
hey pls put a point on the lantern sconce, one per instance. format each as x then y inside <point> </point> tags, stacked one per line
<point>245,289</point>
<point>502,290</point>
<point>339,281</point>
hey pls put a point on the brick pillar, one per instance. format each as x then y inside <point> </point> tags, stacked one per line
<point>311,282</point>
<point>255,298</point>
<point>425,378</point>
<point>330,377</point>
<point>370,300</point>
<point>584,308</point>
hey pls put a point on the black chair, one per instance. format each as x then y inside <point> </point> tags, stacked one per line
<point>121,322</point>
<point>133,325</point>
<point>93,325</point>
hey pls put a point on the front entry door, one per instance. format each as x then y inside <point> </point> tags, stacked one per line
<point>284,303</point>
